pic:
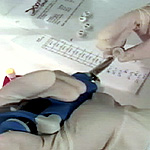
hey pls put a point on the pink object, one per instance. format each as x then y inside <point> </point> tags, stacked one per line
<point>7,79</point>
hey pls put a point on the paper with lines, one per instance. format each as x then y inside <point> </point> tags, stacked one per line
<point>122,76</point>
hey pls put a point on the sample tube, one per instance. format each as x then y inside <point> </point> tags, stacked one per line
<point>11,73</point>
<point>118,53</point>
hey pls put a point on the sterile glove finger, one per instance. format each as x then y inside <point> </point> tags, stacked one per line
<point>143,28</point>
<point>116,34</point>
<point>137,52</point>
<point>24,87</point>
<point>61,91</point>
<point>14,140</point>
<point>80,86</point>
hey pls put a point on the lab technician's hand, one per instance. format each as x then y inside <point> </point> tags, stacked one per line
<point>90,127</point>
<point>97,124</point>
<point>13,140</point>
<point>43,83</point>
<point>116,35</point>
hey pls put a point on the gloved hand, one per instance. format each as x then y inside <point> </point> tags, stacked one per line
<point>60,85</point>
<point>116,34</point>
<point>20,141</point>
<point>90,127</point>
<point>44,83</point>
<point>96,124</point>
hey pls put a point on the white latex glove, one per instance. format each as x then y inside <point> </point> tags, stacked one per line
<point>116,34</point>
<point>14,140</point>
<point>43,83</point>
<point>84,127</point>
<point>96,124</point>
<point>90,127</point>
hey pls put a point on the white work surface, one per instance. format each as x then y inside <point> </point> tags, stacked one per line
<point>104,12</point>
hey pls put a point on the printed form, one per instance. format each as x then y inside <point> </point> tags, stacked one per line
<point>122,76</point>
<point>35,13</point>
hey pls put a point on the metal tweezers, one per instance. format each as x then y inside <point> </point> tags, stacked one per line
<point>98,69</point>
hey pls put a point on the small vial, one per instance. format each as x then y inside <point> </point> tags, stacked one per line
<point>87,26</point>
<point>11,73</point>
<point>81,33</point>
<point>82,19</point>
<point>118,53</point>
<point>87,14</point>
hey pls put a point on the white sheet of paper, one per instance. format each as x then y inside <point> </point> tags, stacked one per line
<point>72,58</point>
<point>39,14</point>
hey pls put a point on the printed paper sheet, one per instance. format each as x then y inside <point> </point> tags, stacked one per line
<point>123,76</point>
<point>37,13</point>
